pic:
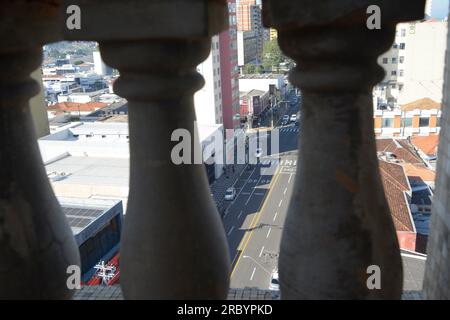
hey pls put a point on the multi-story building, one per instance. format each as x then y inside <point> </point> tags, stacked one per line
<point>419,118</point>
<point>249,18</point>
<point>208,100</point>
<point>415,64</point>
<point>229,70</point>
<point>247,42</point>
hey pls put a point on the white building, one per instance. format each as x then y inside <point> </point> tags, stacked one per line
<point>91,160</point>
<point>262,82</point>
<point>99,66</point>
<point>208,100</point>
<point>415,64</point>
<point>82,97</point>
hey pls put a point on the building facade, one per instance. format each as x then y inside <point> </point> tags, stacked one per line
<point>415,63</point>
<point>229,70</point>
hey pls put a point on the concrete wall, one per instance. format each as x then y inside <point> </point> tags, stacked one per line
<point>437,273</point>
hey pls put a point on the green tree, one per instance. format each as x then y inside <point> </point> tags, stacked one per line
<point>272,55</point>
<point>249,69</point>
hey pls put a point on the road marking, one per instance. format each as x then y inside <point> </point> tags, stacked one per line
<point>281,201</point>
<point>246,239</point>
<point>248,200</point>
<point>268,233</point>
<point>240,213</point>
<point>285,191</point>
<point>262,249</point>
<point>276,214</point>
<point>253,273</point>
<point>290,177</point>
<point>231,230</point>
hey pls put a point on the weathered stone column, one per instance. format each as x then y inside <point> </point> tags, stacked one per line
<point>338,222</point>
<point>36,243</point>
<point>173,244</point>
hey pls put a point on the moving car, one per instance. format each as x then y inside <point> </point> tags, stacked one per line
<point>274,282</point>
<point>230,194</point>
<point>293,118</point>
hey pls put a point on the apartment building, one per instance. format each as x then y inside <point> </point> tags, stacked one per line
<point>208,100</point>
<point>249,18</point>
<point>415,63</point>
<point>419,118</point>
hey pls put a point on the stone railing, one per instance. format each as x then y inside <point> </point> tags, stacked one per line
<point>173,244</point>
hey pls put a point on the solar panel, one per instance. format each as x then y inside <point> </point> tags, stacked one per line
<point>80,217</point>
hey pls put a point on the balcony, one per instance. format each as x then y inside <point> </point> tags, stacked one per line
<point>338,223</point>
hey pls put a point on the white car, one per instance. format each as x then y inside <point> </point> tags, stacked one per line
<point>274,282</point>
<point>293,118</point>
<point>230,194</point>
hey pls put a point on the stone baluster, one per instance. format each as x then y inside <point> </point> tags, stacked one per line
<point>36,243</point>
<point>173,244</point>
<point>338,222</point>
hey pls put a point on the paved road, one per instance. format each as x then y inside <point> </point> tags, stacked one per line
<point>254,220</point>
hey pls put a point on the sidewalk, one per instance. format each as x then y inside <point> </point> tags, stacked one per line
<point>220,185</point>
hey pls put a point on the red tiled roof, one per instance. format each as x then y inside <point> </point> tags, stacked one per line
<point>74,106</point>
<point>400,149</point>
<point>418,173</point>
<point>427,144</point>
<point>421,104</point>
<point>395,185</point>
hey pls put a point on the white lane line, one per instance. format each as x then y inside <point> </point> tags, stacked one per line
<point>254,188</point>
<point>262,249</point>
<point>268,233</point>
<point>289,181</point>
<point>231,230</point>
<point>275,216</point>
<point>285,190</point>
<point>253,273</point>
<point>281,201</point>
<point>240,213</point>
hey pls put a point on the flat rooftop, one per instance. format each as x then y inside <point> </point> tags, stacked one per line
<point>89,171</point>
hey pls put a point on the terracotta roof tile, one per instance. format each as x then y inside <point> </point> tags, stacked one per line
<point>74,106</point>
<point>421,104</point>
<point>400,148</point>
<point>395,185</point>
<point>427,144</point>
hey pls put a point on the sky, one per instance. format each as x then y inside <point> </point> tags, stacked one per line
<point>439,9</point>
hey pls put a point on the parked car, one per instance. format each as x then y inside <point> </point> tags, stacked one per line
<point>274,282</point>
<point>285,120</point>
<point>230,194</point>
<point>293,118</point>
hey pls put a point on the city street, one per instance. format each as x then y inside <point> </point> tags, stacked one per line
<point>253,222</point>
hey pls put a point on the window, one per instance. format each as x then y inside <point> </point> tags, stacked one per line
<point>385,60</point>
<point>402,46</point>
<point>395,46</point>
<point>401,73</point>
<point>393,73</point>
<point>387,123</point>
<point>403,32</point>
<point>401,59</point>
<point>424,122</point>
<point>406,122</point>
<point>394,60</point>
